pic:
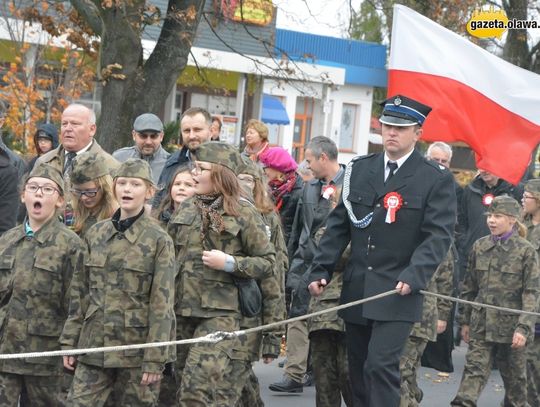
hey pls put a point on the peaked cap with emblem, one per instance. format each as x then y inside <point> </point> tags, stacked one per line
<point>43,170</point>
<point>218,152</point>
<point>135,168</point>
<point>87,167</point>
<point>533,186</point>
<point>506,205</point>
<point>403,111</point>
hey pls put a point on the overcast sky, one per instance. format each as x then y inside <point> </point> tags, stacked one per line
<point>324,17</point>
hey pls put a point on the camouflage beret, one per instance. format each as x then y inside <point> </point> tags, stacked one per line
<point>217,152</point>
<point>249,167</point>
<point>47,171</point>
<point>533,186</point>
<point>135,168</point>
<point>87,167</point>
<point>506,205</point>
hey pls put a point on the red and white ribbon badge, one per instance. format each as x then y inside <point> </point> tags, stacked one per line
<point>487,199</point>
<point>392,202</point>
<point>328,191</point>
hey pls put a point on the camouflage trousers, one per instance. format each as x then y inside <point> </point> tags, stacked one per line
<point>229,390</point>
<point>410,393</point>
<point>533,373</point>
<point>511,364</point>
<point>39,391</point>
<point>200,367</point>
<point>330,368</point>
<point>251,393</point>
<point>92,386</point>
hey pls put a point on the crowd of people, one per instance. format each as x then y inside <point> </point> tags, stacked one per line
<point>142,246</point>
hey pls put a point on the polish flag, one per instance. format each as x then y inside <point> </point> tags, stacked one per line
<point>478,98</point>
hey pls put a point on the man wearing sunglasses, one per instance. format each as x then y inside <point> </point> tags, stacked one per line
<point>147,135</point>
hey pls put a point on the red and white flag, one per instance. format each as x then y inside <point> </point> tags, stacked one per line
<point>476,97</point>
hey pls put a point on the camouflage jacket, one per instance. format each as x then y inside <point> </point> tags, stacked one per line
<point>204,292</point>
<point>504,274</point>
<point>124,295</point>
<point>35,278</point>
<point>533,236</point>
<point>436,309</point>
<point>272,289</point>
<point>330,296</point>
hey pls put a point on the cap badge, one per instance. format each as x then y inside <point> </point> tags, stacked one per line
<point>397,101</point>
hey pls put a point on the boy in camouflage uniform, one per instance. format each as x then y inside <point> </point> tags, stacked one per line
<point>37,261</point>
<point>435,315</point>
<point>217,236</point>
<point>502,270</point>
<point>531,207</point>
<point>123,295</point>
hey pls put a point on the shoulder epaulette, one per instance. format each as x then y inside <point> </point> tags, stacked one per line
<point>436,165</point>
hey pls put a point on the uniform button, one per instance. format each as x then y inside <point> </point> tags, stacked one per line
<point>378,205</point>
<point>370,268</point>
<point>372,247</point>
<point>28,238</point>
<point>119,236</point>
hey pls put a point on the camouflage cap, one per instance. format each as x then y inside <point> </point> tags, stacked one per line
<point>506,205</point>
<point>47,171</point>
<point>87,167</point>
<point>217,152</point>
<point>249,167</point>
<point>533,186</point>
<point>135,168</point>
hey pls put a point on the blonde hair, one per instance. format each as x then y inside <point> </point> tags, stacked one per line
<point>259,127</point>
<point>261,197</point>
<point>103,210</point>
<point>521,229</point>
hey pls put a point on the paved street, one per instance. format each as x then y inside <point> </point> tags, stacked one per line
<point>437,391</point>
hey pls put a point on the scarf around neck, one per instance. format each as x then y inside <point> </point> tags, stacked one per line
<point>280,188</point>
<point>209,206</point>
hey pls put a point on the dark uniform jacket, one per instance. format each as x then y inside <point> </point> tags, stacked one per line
<point>408,250</point>
<point>288,209</point>
<point>35,279</point>
<point>9,194</point>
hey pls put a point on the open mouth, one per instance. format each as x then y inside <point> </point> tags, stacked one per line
<point>127,199</point>
<point>37,205</point>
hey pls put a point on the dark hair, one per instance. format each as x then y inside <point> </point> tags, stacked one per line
<point>217,119</point>
<point>167,201</point>
<point>192,111</point>
<point>321,144</point>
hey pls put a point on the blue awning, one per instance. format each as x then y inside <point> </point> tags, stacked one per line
<point>273,111</point>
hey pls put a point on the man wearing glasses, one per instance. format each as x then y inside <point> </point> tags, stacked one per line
<point>147,135</point>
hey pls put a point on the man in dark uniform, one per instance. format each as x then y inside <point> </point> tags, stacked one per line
<point>398,211</point>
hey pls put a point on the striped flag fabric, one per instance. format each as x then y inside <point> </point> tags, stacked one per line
<point>478,98</point>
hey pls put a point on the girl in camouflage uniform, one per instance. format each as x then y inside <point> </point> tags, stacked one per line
<point>218,237</point>
<point>503,271</point>
<point>37,261</point>
<point>181,188</point>
<point>123,295</point>
<point>531,208</point>
<point>92,192</point>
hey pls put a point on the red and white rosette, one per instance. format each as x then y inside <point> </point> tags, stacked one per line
<point>392,202</point>
<point>487,199</point>
<point>328,191</point>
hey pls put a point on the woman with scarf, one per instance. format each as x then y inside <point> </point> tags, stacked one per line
<point>220,239</point>
<point>256,140</point>
<point>285,184</point>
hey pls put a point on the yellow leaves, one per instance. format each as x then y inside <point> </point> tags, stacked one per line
<point>107,73</point>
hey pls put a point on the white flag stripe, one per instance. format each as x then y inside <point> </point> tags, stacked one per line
<point>421,45</point>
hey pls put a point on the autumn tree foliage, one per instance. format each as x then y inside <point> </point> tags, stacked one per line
<point>43,77</point>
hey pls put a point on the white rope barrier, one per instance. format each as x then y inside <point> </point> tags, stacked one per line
<point>220,335</point>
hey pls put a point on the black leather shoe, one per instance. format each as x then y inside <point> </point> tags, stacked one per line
<point>309,380</point>
<point>287,385</point>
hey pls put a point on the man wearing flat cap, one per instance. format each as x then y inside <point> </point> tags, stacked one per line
<point>398,211</point>
<point>147,134</point>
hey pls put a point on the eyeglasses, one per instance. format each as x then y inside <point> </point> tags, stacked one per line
<point>528,197</point>
<point>45,189</point>
<point>153,136</point>
<point>197,169</point>
<point>90,193</point>
<point>246,178</point>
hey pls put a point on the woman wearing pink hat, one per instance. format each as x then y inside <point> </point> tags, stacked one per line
<point>285,184</point>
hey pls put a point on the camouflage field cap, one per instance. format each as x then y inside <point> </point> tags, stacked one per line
<point>87,167</point>
<point>505,205</point>
<point>135,168</point>
<point>46,171</point>
<point>217,152</point>
<point>533,186</point>
<point>249,167</point>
